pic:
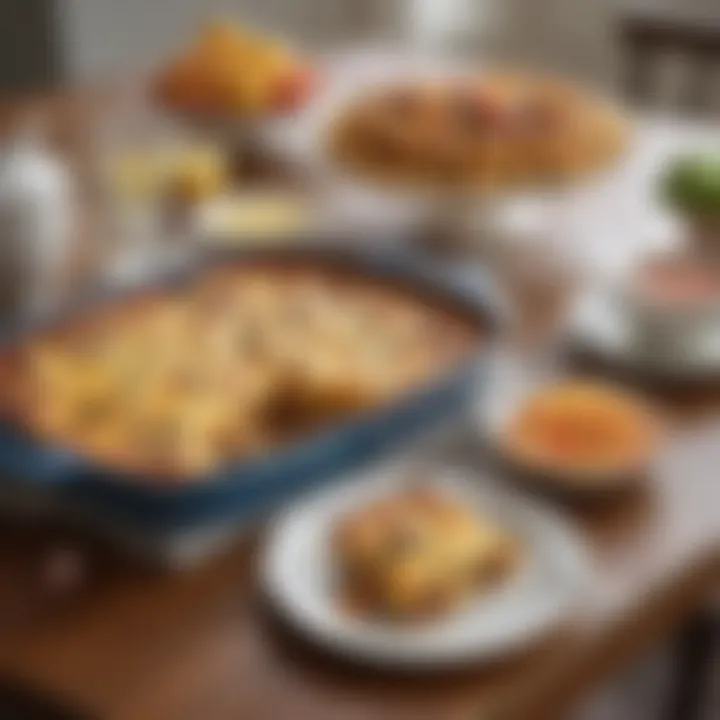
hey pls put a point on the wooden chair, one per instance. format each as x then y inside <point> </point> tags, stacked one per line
<point>695,666</point>
<point>646,35</point>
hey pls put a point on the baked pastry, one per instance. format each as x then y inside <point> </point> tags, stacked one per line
<point>232,72</point>
<point>495,131</point>
<point>418,554</point>
<point>232,363</point>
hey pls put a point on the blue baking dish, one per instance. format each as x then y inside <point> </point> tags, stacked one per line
<point>243,489</point>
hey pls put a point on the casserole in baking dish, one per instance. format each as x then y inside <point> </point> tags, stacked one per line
<point>273,366</point>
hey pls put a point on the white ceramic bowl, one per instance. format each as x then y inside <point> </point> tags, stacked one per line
<point>601,328</point>
<point>667,326</point>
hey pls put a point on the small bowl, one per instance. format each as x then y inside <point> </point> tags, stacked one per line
<point>675,319</point>
<point>579,480</point>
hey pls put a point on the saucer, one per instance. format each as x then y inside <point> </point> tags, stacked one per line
<point>603,327</point>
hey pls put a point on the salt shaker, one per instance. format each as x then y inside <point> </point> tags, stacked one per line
<point>35,225</point>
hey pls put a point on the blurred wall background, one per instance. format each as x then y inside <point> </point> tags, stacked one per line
<point>46,41</point>
<point>31,47</point>
<point>110,36</point>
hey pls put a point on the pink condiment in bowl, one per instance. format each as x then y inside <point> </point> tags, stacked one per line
<point>678,283</point>
<point>674,304</point>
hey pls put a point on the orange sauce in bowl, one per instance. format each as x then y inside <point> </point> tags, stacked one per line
<point>583,427</point>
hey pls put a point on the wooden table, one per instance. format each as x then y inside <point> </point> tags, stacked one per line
<point>132,644</point>
<point>135,645</point>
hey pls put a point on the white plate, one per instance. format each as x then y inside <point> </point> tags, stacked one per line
<point>599,325</point>
<point>296,574</point>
